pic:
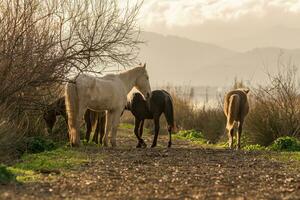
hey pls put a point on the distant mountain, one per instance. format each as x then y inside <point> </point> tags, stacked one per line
<point>279,36</point>
<point>179,61</point>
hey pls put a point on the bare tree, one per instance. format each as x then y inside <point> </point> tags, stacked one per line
<point>45,42</point>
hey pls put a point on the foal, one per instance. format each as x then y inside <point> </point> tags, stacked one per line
<point>236,108</point>
<point>160,102</point>
<point>93,120</point>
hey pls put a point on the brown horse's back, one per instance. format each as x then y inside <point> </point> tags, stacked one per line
<point>233,110</point>
<point>236,104</point>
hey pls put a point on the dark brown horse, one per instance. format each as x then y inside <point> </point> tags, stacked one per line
<point>160,102</point>
<point>93,120</point>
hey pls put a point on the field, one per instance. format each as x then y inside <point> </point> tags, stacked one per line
<point>188,170</point>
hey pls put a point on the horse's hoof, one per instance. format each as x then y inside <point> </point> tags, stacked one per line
<point>75,145</point>
<point>169,145</point>
<point>144,145</point>
<point>113,144</point>
<point>139,145</point>
<point>153,145</point>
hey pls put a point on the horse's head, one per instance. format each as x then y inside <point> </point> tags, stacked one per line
<point>142,82</point>
<point>50,119</point>
<point>245,90</point>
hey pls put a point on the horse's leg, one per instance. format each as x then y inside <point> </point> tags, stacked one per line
<point>109,118</point>
<point>102,127</point>
<point>230,137</point>
<point>239,133</point>
<point>141,128</point>
<point>170,136</point>
<point>96,132</point>
<point>137,131</point>
<point>66,120</point>
<point>156,124</point>
<point>114,127</point>
<point>76,135</point>
<point>137,123</point>
<point>88,125</point>
<point>51,125</point>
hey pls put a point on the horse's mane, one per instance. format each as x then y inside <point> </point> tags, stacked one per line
<point>138,69</point>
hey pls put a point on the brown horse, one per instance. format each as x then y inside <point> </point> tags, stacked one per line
<point>161,102</point>
<point>236,108</point>
<point>94,121</point>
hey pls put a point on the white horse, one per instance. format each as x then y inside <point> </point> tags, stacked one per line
<point>98,94</point>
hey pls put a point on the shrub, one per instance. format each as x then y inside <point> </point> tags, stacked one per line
<point>38,144</point>
<point>275,109</point>
<point>285,144</point>
<point>6,176</point>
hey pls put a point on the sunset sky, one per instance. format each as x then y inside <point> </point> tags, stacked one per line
<point>235,24</point>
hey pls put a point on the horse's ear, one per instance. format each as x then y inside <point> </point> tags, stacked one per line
<point>246,90</point>
<point>144,65</point>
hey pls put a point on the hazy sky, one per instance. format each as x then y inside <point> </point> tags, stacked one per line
<point>234,24</point>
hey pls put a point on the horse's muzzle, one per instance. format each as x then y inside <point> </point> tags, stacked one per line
<point>148,96</point>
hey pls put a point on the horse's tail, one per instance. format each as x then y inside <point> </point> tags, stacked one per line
<point>233,110</point>
<point>71,100</point>
<point>169,113</point>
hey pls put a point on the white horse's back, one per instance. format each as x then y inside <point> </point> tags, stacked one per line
<point>99,94</point>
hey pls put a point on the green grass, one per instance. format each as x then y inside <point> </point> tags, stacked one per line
<point>281,144</point>
<point>60,159</point>
<point>126,126</point>
<point>191,135</point>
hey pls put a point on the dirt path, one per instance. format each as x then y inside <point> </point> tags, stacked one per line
<point>182,172</point>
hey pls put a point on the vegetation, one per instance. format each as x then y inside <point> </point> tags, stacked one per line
<point>38,144</point>
<point>46,162</point>
<point>275,109</point>
<point>191,135</point>
<point>254,147</point>
<point>274,112</point>
<point>6,176</point>
<point>44,43</point>
<point>285,144</point>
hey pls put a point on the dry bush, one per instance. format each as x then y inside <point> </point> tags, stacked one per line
<point>45,42</point>
<point>275,109</point>
<point>208,120</point>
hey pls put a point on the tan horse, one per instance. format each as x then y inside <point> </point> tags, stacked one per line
<point>236,108</point>
<point>99,94</point>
